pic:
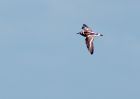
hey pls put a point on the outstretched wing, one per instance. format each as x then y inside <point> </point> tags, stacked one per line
<point>86,28</point>
<point>89,43</point>
<point>84,25</point>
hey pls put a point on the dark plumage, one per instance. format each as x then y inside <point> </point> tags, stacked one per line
<point>90,35</point>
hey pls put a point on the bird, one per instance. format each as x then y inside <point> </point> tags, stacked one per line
<point>89,37</point>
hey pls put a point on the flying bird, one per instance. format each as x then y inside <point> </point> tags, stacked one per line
<point>89,37</point>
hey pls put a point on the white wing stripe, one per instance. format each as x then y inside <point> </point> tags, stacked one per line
<point>91,42</point>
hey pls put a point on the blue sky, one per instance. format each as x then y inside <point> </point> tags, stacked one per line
<point>43,58</point>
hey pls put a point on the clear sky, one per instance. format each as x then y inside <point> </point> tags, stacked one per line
<point>42,57</point>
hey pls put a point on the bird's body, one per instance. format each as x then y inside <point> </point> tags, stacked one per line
<point>89,37</point>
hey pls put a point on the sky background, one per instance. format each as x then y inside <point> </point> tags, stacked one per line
<point>42,57</point>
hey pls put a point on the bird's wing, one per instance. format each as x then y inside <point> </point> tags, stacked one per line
<point>84,25</point>
<point>88,30</point>
<point>89,43</point>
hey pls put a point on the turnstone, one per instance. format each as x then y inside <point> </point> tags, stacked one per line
<point>90,35</point>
